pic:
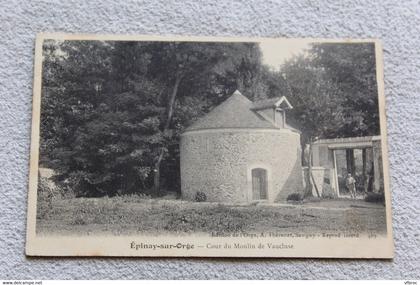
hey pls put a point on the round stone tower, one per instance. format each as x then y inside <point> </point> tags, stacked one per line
<point>242,152</point>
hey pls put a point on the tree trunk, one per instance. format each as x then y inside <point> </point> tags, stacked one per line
<point>170,110</point>
<point>308,190</point>
<point>310,175</point>
<point>156,177</point>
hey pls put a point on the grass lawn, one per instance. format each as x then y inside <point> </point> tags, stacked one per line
<point>125,215</point>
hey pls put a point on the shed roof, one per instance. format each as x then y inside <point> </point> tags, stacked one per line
<point>235,112</point>
<point>351,142</point>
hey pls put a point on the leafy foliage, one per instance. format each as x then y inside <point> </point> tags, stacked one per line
<point>294,197</point>
<point>334,90</point>
<point>112,112</point>
<point>375,197</point>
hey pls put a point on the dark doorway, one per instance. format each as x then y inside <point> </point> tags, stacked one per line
<point>357,162</point>
<point>259,184</point>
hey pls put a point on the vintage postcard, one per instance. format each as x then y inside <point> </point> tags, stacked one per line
<point>211,147</point>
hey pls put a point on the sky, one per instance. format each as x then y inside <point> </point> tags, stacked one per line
<point>276,52</point>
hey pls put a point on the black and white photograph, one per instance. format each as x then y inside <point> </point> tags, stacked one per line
<point>166,146</point>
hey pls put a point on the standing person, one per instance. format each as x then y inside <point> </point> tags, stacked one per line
<point>351,185</point>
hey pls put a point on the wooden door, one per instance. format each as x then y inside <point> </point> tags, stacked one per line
<point>259,184</point>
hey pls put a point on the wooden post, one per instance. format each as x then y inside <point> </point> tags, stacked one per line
<point>364,180</point>
<point>376,170</point>
<point>350,161</point>
<point>309,191</point>
<point>337,187</point>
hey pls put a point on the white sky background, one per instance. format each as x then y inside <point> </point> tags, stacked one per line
<point>276,52</point>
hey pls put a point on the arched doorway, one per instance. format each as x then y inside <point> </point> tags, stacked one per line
<point>259,184</point>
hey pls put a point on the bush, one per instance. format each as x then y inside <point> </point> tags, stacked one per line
<point>295,197</point>
<point>328,195</point>
<point>327,192</point>
<point>200,197</point>
<point>375,198</point>
<point>44,198</point>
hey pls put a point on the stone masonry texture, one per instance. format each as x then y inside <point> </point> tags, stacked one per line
<point>396,23</point>
<point>218,163</point>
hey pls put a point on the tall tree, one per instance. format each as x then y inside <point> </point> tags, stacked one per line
<point>190,68</point>
<point>317,107</point>
<point>334,93</point>
<point>351,67</point>
<point>113,111</point>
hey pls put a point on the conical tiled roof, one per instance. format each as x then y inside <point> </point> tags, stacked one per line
<point>235,112</point>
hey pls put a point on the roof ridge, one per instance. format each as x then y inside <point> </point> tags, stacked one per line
<point>235,111</point>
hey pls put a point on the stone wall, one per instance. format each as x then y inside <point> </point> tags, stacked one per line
<point>318,173</point>
<point>219,163</point>
<point>324,181</point>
